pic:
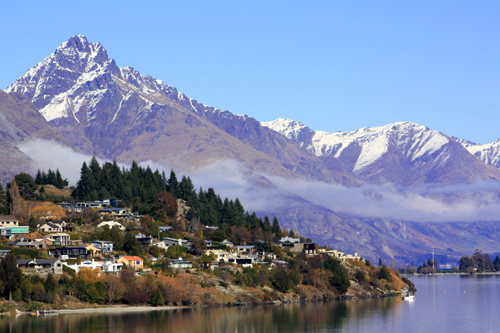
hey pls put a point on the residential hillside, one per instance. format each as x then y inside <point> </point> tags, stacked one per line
<point>146,248</point>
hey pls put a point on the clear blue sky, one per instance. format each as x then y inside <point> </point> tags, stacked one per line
<point>334,65</point>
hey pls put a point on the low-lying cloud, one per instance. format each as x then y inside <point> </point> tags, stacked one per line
<point>267,193</point>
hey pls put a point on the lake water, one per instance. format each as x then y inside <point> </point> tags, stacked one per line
<point>443,304</point>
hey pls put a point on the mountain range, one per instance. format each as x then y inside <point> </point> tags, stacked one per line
<point>80,98</point>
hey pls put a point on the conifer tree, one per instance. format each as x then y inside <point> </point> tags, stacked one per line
<point>60,182</point>
<point>276,228</point>
<point>86,185</point>
<point>38,178</point>
<point>173,183</point>
<point>267,224</point>
<point>96,170</point>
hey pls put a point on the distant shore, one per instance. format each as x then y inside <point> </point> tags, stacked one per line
<point>457,273</point>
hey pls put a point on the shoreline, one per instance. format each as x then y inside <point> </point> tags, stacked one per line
<point>459,273</point>
<point>121,309</point>
<point>108,309</point>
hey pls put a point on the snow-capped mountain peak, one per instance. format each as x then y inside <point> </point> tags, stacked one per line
<point>488,153</point>
<point>373,152</point>
<point>293,130</point>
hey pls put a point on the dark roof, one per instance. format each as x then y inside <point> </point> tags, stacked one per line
<point>111,210</point>
<point>39,261</point>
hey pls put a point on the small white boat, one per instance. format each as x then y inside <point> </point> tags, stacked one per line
<point>409,298</point>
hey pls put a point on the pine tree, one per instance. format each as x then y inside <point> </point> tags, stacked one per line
<point>60,183</point>
<point>86,185</point>
<point>276,228</point>
<point>96,170</point>
<point>173,184</point>
<point>51,177</point>
<point>267,224</point>
<point>38,178</point>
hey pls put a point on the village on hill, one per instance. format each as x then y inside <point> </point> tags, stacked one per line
<point>160,242</point>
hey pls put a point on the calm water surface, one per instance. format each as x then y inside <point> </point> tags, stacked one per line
<point>443,304</point>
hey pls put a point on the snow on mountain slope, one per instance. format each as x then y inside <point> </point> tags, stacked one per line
<point>79,76</point>
<point>488,153</point>
<point>414,139</point>
<point>404,153</point>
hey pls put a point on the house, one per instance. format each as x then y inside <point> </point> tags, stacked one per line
<point>13,230</point>
<point>352,257</point>
<point>81,206</point>
<point>295,245</point>
<point>263,255</point>
<point>241,260</point>
<point>91,264</point>
<point>3,253</point>
<point>172,241</point>
<point>220,255</point>
<point>8,221</point>
<point>116,212</point>
<point>105,266</point>
<point>105,244</point>
<point>244,249</point>
<point>132,261</point>
<point>53,266</point>
<point>306,247</point>
<point>95,250</point>
<point>225,242</point>
<point>334,253</point>
<point>31,244</point>
<point>180,263</point>
<point>211,245</point>
<point>166,228</point>
<point>144,240</point>
<point>60,239</point>
<point>52,226</point>
<point>111,224</point>
<point>111,267</point>
<point>69,252</point>
<point>289,240</point>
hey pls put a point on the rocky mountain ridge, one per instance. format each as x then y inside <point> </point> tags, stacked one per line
<point>488,153</point>
<point>403,153</point>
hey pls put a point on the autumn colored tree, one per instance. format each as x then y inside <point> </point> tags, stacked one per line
<point>50,212</point>
<point>116,287</point>
<point>14,198</point>
<point>167,203</point>
<point>87,275</point>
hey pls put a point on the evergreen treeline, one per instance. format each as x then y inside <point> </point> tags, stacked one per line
<point>154,194</point>
<point>50,178</point>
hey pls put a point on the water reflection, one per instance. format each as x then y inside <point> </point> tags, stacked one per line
<point>309,317</point>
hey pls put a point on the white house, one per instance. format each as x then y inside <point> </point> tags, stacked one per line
<point>111,224</point>
<point>220,255</point>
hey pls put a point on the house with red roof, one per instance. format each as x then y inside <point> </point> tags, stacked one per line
<point>132,261</point>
